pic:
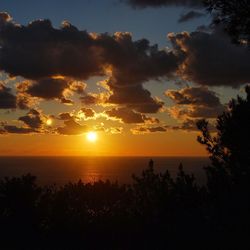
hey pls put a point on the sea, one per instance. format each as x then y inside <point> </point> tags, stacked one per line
<point>61,170</point>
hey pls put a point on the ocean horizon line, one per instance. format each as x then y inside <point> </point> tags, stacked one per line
<point>114,156</point>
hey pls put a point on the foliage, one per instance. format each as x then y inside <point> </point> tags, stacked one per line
<point>234,15</point>
<point>230,149</point>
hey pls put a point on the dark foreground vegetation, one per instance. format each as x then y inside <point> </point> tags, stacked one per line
<point>155,212</point>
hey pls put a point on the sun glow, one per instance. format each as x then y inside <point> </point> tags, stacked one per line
<point>49,122</point>
<point>91,136</point>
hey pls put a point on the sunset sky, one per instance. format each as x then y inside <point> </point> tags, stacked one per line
<point>137,73</point>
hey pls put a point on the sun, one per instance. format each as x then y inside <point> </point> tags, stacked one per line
<point>49,122</point>
<point>91,136</point>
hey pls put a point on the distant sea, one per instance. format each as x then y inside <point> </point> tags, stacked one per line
<point>60,170</point>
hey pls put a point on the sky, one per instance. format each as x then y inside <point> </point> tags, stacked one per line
<point>136,73</point>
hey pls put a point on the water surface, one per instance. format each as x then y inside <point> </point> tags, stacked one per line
<point>60,170</point>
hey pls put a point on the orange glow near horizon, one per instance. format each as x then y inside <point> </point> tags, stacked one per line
<point>162,144</point>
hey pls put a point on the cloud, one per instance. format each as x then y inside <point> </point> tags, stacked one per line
<point>95,99</point>
<point>18,130</point>
<point>135,97</point>
<point>33,119</point>
<point>195,112</point>
<point>187,125</point>
<point>129,116</point>
<point>2,131</point>
<point>131,65</point>
<point>42,53</point>
<point>24,101</point>
<point>65,116</point>
<point>194,102</point>
<point>161,3</point>
<point>71,127</point>
<point>190,15</point>
<point>87,112</point>
<point>56,61</point>
<point>7,99</point>
<point>66,101</point>
<point>51,89</point>
<point>78,87</point>
<point>194,95</point>
<point>10,101</point>
<point>33,122</point>
<point>48,88</point>
<point>115,130</point>
<point>38,50</point>
<point>147,130</point>
<point>89,99</point>
<point>211,59</point>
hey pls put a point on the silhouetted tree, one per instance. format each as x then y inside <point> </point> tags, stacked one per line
<point>228,176</point>
<point>229,149</point>
<point>234,15</point>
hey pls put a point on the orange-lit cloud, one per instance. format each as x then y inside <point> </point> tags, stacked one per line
<point>127,115</point>
<point>195,102</point>
<point>32,122</point>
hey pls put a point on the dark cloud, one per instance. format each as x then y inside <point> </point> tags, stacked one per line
<point>89,99</point>
<point>10,101</point>
<point>88,112</point>
<point>18,130</point>
<point>131,65</point>
<point>2,131</point>
<point>23,101</point>
<point>33,119</point>
<point>51,89</point>
<point>65,116</point>
<point>38,50</point>
<point>135,62</point>
<point>157,129</point>
<point>211,59</point>
<point>43,53</point>
<point>194,95</point>
<point>190,15</point>
<point>7,99</point>
<point>161,3</point>
<point>135,97</point>
<point>66,101</point>
<point>187,125</point>
<point>71,127</point>
<point>147,130</point>
<point>195,111</point>
<point>195,102</point>
<point>127,115</point>
<point>33,122</point>
<point>205,112</point>
<point>47,88</point>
